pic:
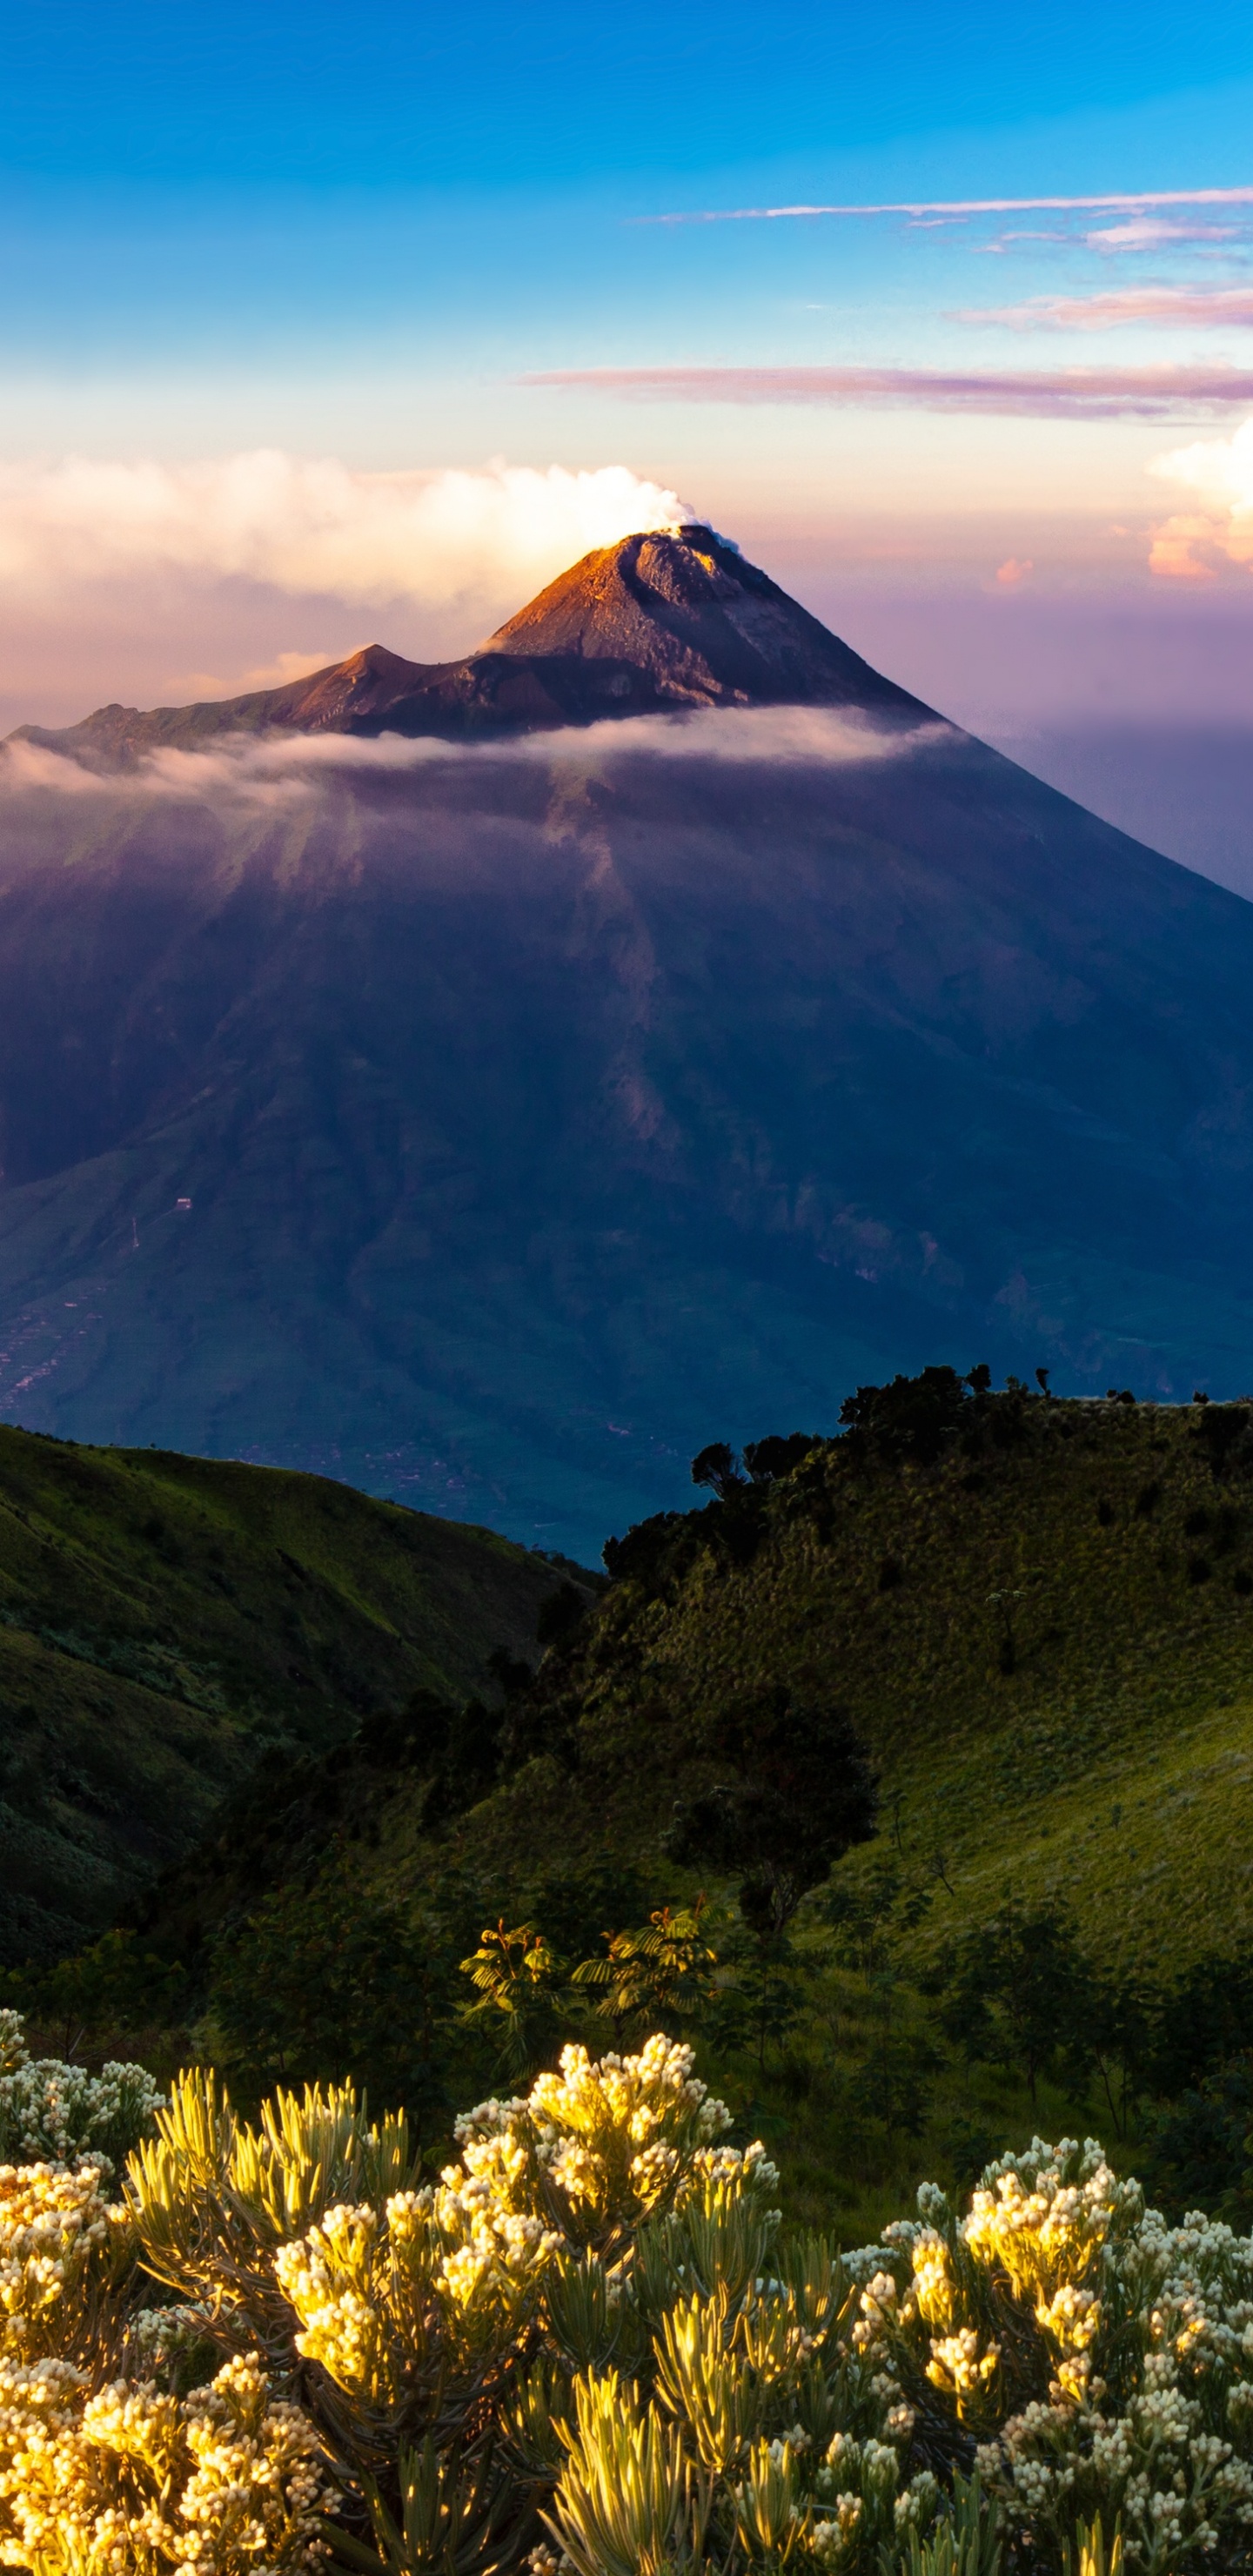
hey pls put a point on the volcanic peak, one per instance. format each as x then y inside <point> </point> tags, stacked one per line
<point>664,620</point>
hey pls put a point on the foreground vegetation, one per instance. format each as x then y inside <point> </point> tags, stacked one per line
<point>592,2345</point>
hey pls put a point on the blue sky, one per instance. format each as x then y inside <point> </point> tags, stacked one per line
<point>354,238</point>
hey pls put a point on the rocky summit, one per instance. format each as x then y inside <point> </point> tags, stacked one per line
<point>495,1107</point>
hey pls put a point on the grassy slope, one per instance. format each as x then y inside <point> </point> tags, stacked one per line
<point>1113,1762</point>
<point>164,1620</point>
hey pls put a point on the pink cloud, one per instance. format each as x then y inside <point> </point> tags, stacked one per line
<point>1176,304</point>
<point>1148,393</point>
<point>1115,203</point>
<point>1219,473</point>
<point>1014,570</point>
<point>1173,554</point>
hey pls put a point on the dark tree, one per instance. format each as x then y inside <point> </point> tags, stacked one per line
<point>908,1422</point>
<point>560,1613</point>
<point>325,1976</point>
<point>1202,2021</point>
<point>1200,2149</point>
<point>776,1456</point>
<point>797,1790</point>
<point>645,1554</point>
<point>1023,1994</point>
<point>718,1467</point>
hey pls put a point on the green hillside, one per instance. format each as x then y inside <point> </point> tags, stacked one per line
<point>165,1621</point>
<point>1044,1632</point>
<point>1036,1615</point>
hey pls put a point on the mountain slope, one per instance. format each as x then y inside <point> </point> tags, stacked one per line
<point>165,1621</point>
<point>493,1124</point>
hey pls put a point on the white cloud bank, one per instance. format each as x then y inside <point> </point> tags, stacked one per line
<point>314,526</point>
<point>1218,472</point>
<point>286,770</point>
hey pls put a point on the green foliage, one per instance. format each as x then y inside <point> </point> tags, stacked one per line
<point>452,2522</point>
<point>995,1587</point>
<point>519,1980</point>
<point>119,1983</point>
<point>215,2197</point>
<point>660,1973</point>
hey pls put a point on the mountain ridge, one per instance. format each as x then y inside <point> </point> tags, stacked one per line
<point>661,621</point>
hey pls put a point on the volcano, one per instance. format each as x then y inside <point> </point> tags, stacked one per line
<point>662,621</point>
<point>490,1081</point>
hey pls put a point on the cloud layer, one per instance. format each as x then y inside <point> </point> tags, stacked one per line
<point>1145,393</point>
<point>287,770</point>
<point>922,206</point>
<point>313,526</point>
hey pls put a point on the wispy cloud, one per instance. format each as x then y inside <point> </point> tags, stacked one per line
<point>1218,472</point>
<point>1151,232</point>
<point>921,207</point>
<point>1207,305</point>
<point>314,526</point>
<point>282,771</point>
<point>1147,393</point>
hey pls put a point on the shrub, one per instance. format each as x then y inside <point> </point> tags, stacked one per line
<point>592,2327</point>
<point>104,2465</point>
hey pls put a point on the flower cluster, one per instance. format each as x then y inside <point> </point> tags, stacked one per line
<point>50,2110</point>
<point>594,2151</point>
<point>59,2240</point>
<point>128,2476</point>
<point>593,2318</point>
<point>107,2474</point>
<point>1106,2359</point>
<point>604,2145</point>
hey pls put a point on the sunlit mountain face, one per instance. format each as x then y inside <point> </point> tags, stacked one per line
<point>489,1082</point>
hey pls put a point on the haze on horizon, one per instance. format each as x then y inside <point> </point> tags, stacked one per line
<point>309,344</point>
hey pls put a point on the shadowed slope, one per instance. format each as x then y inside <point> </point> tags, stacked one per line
<point>164,1621</point>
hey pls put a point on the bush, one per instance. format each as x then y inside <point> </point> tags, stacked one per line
<point>591,2345</point>
<point>58,2112</point>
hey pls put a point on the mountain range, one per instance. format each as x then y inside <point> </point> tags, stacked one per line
<point>486,1082</point>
